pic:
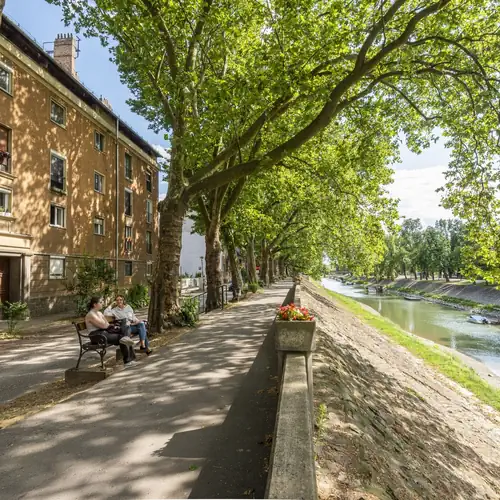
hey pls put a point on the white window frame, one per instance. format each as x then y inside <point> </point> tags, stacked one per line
<point>63,124</point>
<point>57,276</point>
<point>7,212</point>
<point>149,215</point>
<point>129,241</point>
<point>98,225</point>
<point>125,166</point>
<point>102,144</point>
<point>9,70</point>
<point>9,149</point>
<point>102,182</point>
<point>63,215</point>
<point>65,171</point>
<point>127,190</point>
<point>125,268</point>
<point>149,268</point>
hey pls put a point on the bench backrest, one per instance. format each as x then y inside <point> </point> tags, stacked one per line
<point>80,326</point>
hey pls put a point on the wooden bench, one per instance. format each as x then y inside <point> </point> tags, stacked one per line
<point>87,346</point>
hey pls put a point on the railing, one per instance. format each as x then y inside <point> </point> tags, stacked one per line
<point>202,299</point>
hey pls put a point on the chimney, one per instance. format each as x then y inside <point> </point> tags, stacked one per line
<point>106,103</point>
<point>65,52</point>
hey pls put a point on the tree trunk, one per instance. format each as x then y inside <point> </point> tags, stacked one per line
<point>272,265</point>
<point>165,288</point>
<point>236,277</point>
<point>252,274</point>
<point>212,259</point>
<point>281,268</point>
<point>415,272</point>
<point>264,264</point>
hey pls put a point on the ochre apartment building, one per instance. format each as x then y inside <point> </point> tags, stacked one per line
<point>75,181</point>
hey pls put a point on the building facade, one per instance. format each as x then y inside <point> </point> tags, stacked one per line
<point>75,181</point>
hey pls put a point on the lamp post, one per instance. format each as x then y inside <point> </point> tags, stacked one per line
<point>202,275</point>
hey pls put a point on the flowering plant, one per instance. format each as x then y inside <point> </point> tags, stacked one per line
<point>293,313</point>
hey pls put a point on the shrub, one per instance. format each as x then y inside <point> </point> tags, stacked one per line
<point>138,296</point>
<point>91,278</point>
<point>253,287</point>
<point>14,312</point>
<point>189,312</point>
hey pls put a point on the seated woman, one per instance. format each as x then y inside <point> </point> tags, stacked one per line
<point>124,311</point>
<point>96,324</point>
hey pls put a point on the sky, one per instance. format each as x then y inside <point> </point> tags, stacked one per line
<point>416,178</point>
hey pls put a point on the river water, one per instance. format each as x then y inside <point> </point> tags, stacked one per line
<point>440,324</point>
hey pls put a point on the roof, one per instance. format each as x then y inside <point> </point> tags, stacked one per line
<point>30,47</point>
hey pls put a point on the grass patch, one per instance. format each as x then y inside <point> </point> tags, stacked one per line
<point>445,363</point>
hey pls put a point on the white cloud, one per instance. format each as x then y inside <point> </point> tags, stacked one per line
<point>164,153</point>
<point>416,190</point>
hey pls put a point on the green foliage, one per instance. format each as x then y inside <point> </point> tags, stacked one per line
<point>137,296</point>
<point>14,312</point>
<point>189,311</point>
<point>311,98</point>
<point>91,278</point>
<point>437,249</point>
<point>253,287</point>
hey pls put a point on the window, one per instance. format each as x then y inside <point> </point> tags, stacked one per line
<point>128,202</point>
<point>57,268</point>
<point>149,211</point>
<point>5,78</point>
<point>57,216</point>
<point>5,201</point>
<point>149,242</point>
<point>98,182</point>
<point>128,166</point>
<point>57,113</point>
<point>57,172</point>
<point>99,226</point>
<point>149,268</point>
<point>99,141</point>
<point>4,149</point>
<point>149,182</point>
<point>128,239</point>
<point>128,268</point>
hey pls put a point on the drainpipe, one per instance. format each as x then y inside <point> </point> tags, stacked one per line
<point>117,226</point>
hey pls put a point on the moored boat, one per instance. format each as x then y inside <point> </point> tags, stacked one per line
<point>477,318</point>
<point>412,297</point>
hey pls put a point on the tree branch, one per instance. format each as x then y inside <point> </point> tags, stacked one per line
<point>203,211</point>
<point>233,197</point>
<point>169,43</point>
<point>198,31</point>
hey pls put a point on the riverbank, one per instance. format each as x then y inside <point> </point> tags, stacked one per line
<point>475,298</point>
<point>391,426</point>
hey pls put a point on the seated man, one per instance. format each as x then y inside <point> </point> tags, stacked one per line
<point>124,311</point>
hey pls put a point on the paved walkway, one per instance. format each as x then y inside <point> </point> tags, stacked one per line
<point>30,362</point>
<point>192,421</point>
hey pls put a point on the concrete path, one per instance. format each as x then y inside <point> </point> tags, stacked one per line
<point>192,421</point>
<point>30,362</point>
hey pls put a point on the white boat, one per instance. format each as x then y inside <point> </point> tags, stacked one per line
<point>476,318</point>
<point>412,297</point>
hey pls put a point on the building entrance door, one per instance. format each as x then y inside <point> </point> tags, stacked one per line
<point>4,278</point>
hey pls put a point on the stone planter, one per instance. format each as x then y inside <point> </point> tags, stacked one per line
<point>295,336</point>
